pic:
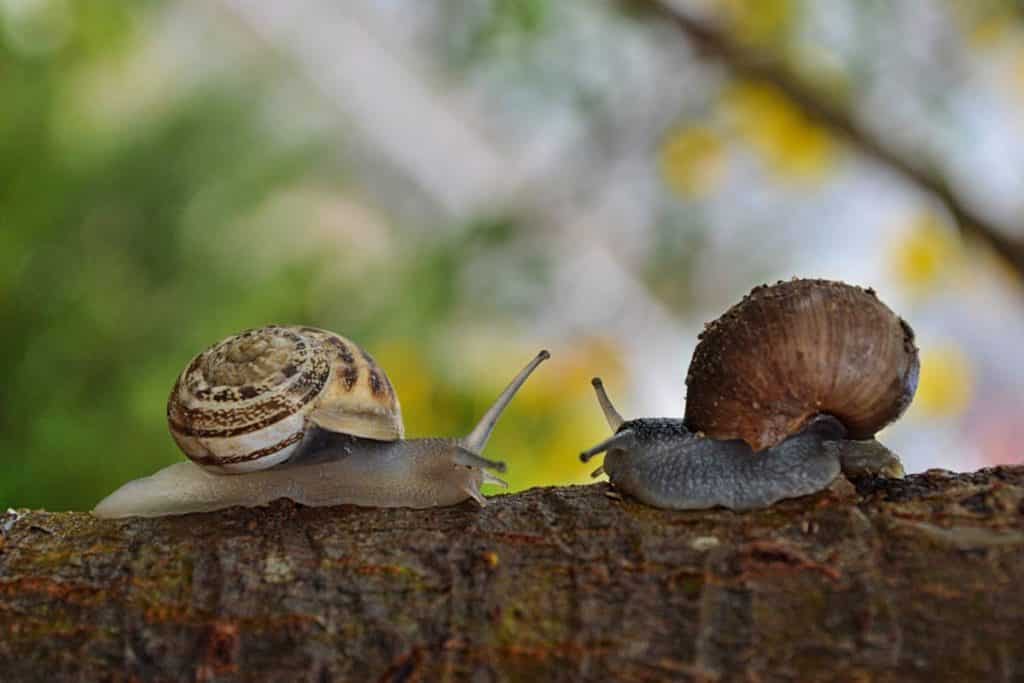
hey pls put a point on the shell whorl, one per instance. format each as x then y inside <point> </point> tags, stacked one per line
<point>245,403</point>
<point>796,349</point>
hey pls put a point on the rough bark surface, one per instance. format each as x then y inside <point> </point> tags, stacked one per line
<point>920,579</point>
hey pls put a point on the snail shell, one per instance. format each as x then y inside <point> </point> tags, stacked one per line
<point>246,403</point>
<point>790,351</point>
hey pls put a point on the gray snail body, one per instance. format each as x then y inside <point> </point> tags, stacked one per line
<point>301,413</point>
<point>758,429</point>
<point>663,464</point>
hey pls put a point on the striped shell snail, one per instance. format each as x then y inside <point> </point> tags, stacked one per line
<point>784,391</point>
<point>303,413</point>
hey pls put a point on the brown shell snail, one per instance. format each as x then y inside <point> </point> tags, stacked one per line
<point>784,391</point>
<point>303,413</point>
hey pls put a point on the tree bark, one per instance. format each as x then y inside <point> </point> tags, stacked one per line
<point>889,580</point>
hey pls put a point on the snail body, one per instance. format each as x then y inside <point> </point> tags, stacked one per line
<point>414,473</point>
<point>302,413</point>
<point>785,391</point>
<point>665,465</point>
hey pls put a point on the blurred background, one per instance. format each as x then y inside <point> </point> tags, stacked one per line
<point>455,184</point>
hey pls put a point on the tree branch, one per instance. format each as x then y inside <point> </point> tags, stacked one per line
<point>757,66</point>
<point>918,579</point>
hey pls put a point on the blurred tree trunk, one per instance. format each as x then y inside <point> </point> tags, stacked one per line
<point>921,579</point>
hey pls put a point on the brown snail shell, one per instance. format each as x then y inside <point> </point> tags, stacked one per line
<point>246,402</point>
<point>790,351</point>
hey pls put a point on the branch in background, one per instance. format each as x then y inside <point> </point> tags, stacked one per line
<point>758,66</point>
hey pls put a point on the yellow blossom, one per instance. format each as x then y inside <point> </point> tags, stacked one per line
<point>691,160</point>
<point>946,383</point>
<point>926,253</point>
<point>790,143</point>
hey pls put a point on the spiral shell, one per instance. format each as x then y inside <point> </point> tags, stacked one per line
<point>796,349</point>
<point>245,403</point>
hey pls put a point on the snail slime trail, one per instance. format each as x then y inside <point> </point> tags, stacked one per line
<point>303,413</point>
<point>784,391</point>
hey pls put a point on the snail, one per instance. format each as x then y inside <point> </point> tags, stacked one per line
<point>303,413</point>
<point>784,391</point>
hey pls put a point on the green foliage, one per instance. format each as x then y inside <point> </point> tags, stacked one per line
<point>131,241</point>
<point>144,216</point>
<point>113,266</point>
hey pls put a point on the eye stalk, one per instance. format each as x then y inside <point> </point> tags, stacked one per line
<point>468,448</point>
<point>614,419</point>
<point>477,439</point>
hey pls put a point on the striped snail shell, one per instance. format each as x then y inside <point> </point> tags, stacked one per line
<point>246,403</point>
<point>797,349</point>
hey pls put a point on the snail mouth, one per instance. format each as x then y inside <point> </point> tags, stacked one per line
<point>473,492</point>
<point>472,488</point>
<point>478,474</point>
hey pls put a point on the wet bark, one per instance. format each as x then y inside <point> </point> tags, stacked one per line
<point>920,579</point>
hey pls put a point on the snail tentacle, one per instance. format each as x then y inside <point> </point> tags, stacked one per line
<point>496,481</point>
<point>621,440</point>
<point>610,413</point>
<point>477,439</point>
<point>466,457</point>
